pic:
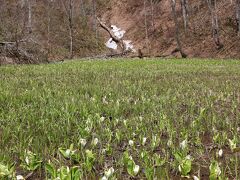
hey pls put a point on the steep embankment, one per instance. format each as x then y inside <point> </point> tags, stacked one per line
<point>196,42</point>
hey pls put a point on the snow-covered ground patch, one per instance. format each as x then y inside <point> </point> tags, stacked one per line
<point>119,33</point>
<point>111,44</point>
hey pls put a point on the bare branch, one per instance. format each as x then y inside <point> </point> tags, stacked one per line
<point>104,26</point>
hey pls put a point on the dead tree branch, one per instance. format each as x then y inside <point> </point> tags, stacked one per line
<point>105,27</point>
<point>119,41</point>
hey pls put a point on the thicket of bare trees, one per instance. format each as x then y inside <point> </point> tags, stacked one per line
<point>51,28</point>
<point>213,9</point>
<point>36,31</point>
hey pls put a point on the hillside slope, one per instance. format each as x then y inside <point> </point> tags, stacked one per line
<point>196,42</point>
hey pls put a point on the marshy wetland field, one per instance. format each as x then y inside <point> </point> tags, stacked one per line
<point>121,119</point>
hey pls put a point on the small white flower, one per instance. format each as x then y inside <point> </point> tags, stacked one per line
<point>92,99</point>
<point>141,118</point>
<point>104,178</point>
<point>68,169</point>
<point>130,142</point>
<point>136,169</point>
<point>214,130</point>
<point>109,172</point>
<point>125,122</point>
<point>188,157</point>
<point>130,157</point>
<point>169,143</point>
<point>144,141</point>
<point>195,178</point>
<point>27,160</point>
<point>102,119</point>
<point>233,144</point>
<point>183,144</point>
<point>20,177</point>
<point>220,153</point>
<point>117,103</point>
<point>154,138</point>
<point>83,142</point>
<point>68,151</point>
<point>87,129</point>
<point>103,151</point>
<point>238,129</point>
<point>179,168</point>
<point>218,171</point>
<point>104,100</point>
<point>95,141</point>
<point>193,123</point>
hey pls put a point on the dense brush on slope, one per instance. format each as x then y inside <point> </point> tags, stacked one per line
<point>197,40</point>
<point>69,28</point>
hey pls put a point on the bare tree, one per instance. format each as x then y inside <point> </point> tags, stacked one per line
<point>146,25</point>
<point>82,6</point>
<point>212,5</point>
<point>70,19</point>
<point>29,16</point>
<point>152,14</point>
<point>184,5</point>
<point>94,5</point>
<point>49,9</point>
<point>238,15</point>
<point>69,12</point>
<point>179,45</point>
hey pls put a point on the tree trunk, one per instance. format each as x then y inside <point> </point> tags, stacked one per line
<point>95,20</point>
<point>238,16</point>
<point>212,5</point>
<point>152,15</point>
<point>70,18</point>
<point>48,27</point>
<point>69,13</point>
<point>29,17</point>
<point>179,45</point>
<point>82,6</point>
<point>146,26</point>
<point>184,5</point>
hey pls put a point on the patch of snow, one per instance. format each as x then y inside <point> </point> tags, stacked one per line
<point>128,45</point>
<point>111,44</point>
<point>118,32</point>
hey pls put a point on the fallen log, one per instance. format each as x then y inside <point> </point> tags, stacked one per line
<point>105,27</point>
<point>20,53</point>
<point>119,41</point>
<point>4,43</point>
